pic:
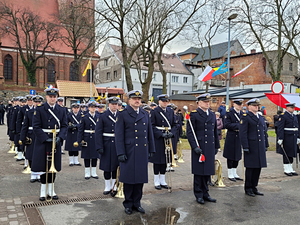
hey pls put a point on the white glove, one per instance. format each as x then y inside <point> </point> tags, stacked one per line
<point>298,140</point>
<point>280,141</point>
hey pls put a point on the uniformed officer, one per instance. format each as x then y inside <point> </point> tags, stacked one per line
<point>45,117</point>
<point>106,146</point>
<point>288,137</point>
<point>60,101</point>
<point>232,148</point>
<point>101,108</point>
<point>120,104</point>
<point>86,139</point>
<point>204,124</point>
<point>253,136</point>
<point>13,126</point>
<point>8,114</point>
<point>27,136</point>
<point>83,109</point>
<point>153,105</point>
<point>162,117</point>
<point>73,119</point>
<point>177,131</point>
<point>134,145</point>
<point>147,108</point>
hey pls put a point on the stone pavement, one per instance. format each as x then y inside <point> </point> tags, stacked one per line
<point>16,190</point>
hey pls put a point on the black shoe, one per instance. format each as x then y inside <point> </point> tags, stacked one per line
<point>87,178</point>
<point>258,193</point>
<point>55,197</point>
<point>232,179</point>
<point>250,193</point>
<point>77,164</point>
<point>33,180</point>
<point>209,199</point>
<point>128,211</point>
<point>200,201</point>
<point>140,209</point>
<point>62,153</point>
<point>294,173</point>
<point>288,174</point>
<point>106,192</point>
<point>71,164</point>
<point>158,187</point>
<point>18,160</point>
<point>210,183</point>
<point>38,180</point>
<point>95,177</point>
<point>113,193</point>
<point>238,178</point>
<point>164,186</point>
<point>42,199</point>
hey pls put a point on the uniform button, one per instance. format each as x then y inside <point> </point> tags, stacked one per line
<point>136,137</point>
<point>112,130</point>
<point>206,142</point>
<point>136,144</point>
<point>48,120</point>
<point>144,130</point>
<point>257,130</point>
<point>205,129</point>
<point>145,137</point>
<point>162,121</point>
<point>48,126</point>
<point>205,123</point>
<point>135,124</point>
<point>205,135</point>
<point>135,130</point>
<point>259,139</point>
<point>112,141</point>
<point>144,123</point>
<point>90,136</point>
<point>145,144</point>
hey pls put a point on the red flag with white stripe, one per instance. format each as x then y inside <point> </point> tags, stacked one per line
<point>238,73</point>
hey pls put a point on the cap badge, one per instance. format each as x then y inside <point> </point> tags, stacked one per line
<point>137,93</point>
<point>52,91</point>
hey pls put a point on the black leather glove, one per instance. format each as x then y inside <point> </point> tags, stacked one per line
<point>48,140</point>
<point>216,151</point>
<point>164,135</point>
<point>198,150</point>
<point>150,155</point>
<point>266,149</point>
<point>100,151</point>
<point>246,150</point>
<point>58,141</point>
<point>170,135</point>
<point>122,158</point>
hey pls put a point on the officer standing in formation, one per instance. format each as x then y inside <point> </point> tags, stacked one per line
<point>203,127</point>
<point>106,146</point>
<point>162,117</point>
<point>134,145</point>
<point>253,135</point>
<point>232,148</point>
<point>288,137</point>
<point>73,119</point>
<point>27,136</point>
<point>86,139</point>
<point>13,126</point>
<point>45,117</point>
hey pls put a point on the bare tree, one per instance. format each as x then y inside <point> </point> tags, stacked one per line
<point>30,33</point>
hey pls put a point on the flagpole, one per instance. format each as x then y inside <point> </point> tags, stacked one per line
<point>91,72</point>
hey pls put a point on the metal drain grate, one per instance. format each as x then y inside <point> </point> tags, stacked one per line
<point>66,201</point>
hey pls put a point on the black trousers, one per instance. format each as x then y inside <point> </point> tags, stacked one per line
<point>232,164</point>
<point>87,162</point>
<point>200,186</point>
<point>251,178</point>
<point>2,117</point>
<point>43,178</point>
<point>287,160</point>
<point>133,195</point>
<point>73,153</point>
<point>108,175</point>
<point>159,168</point>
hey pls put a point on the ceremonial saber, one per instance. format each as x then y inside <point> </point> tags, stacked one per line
<point>285,153</point>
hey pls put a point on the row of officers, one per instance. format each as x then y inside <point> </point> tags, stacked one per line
<point>130,138</point>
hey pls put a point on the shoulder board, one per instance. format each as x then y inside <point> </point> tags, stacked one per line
<point>101,112</point>
<point>120,110</point>
<point>82,115</point>
<point>245,114</point>
<point>282,113</point>
<point>97,119</point>
<point>39,105</point>
<point>26,109</point>
<point>194,110</point>
<point>227,110</point>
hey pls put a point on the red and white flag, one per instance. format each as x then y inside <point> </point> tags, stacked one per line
<point>206,74</point>
<point>238,73</point>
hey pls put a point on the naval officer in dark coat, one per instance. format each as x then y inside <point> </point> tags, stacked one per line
<point>73,119</point>
<point>45,117</point>
<point>134,145</point>
<point>86,135</point>
<point>289,136</point>
<point>13,125</point>
<point>106,145</point>
<point>204,124</point>
<point>232,148</point>
<point>162,117</point>
<point>254,140</point>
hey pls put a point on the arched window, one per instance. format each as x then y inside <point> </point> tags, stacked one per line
<point>51,71</point>
<point>74,72</point>
<point>7,71</point>
<point>89,74</point>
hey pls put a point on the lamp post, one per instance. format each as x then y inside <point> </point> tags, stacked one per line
<point>233,16</point>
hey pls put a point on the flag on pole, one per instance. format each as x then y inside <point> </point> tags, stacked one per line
<point>222,69</point>
<point>152,98</point>
<point>88,67</point>
<point>206,74</point>
<point>238,73</point>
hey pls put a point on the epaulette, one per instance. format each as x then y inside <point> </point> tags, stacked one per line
<point>97,119</point>
<point>120,110</point>
<point>282,113</point>
<point>245,114</point>
<point>194,110</point>
<point>39,104</point>
<point>83,115</point>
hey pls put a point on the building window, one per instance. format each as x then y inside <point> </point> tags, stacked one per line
<point>115,74</point>
<point>154,77</point>
<point>108,76</point>
<point>105,62</point>
<point>174,92</point>
<point>7,67</point>
<point>185,80</point>
<point>144,76</point>
<point>74,72</point>
<point>51,71</point>
<point>89,74</point>
<point>175,79</point>
<point>291,66</point>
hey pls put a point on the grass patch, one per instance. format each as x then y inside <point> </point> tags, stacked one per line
<point>271,133</point>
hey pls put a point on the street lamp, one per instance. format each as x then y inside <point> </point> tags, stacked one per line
<point>233,16</point>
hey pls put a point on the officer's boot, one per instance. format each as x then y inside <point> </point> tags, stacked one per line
<point>32,177</point>
<point>71,160</point>
<point>162,180</point>
<point>107,188</point>
<point>287,170</point>
<point>76,162</point>
<point>51,191</point>
<point>157,182</point>
<point>25,164</point>
<point>43,192</point>
<point>94,174</point>
<point>293,172</point>
<point>235,174</point>
<point>230,175</point>
<point>20,156</point>
<point>87,173</point>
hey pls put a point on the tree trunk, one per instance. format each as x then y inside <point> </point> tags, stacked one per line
<point>163,73</point>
